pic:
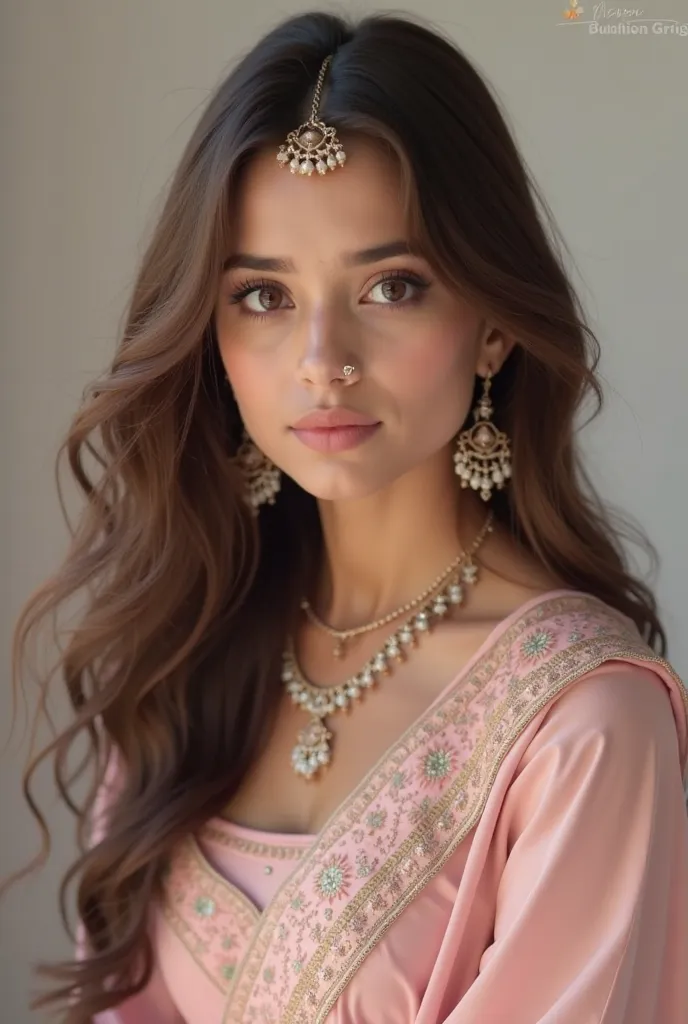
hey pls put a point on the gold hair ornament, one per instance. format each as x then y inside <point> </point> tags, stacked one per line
<point>314,146</point>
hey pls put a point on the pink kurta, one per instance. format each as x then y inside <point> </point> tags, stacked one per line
<point>519,855</point>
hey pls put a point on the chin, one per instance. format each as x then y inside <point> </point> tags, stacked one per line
<point>342,483</point>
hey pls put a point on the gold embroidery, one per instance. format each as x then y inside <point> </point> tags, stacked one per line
<point>481,769</point>
<point>410,860</point>
<point>207,897</point>
<point>272,851</point>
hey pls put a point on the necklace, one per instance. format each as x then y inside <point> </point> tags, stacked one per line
<point>342,635</point>
<point>312,751</point>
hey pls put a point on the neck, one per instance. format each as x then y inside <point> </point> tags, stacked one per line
<point>383,550</point>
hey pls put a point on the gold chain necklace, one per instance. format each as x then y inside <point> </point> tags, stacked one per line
<point>312,751</point>
<point>342,635</point>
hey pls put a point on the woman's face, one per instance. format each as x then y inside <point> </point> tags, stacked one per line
<point>302,300</point>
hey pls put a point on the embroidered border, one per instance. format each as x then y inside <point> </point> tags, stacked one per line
<point>478,775</point>
<point>367,916</point>
<point>271,851</point>
<point>210,917</point>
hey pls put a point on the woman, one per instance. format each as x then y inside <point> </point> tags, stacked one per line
<point>381,721</point>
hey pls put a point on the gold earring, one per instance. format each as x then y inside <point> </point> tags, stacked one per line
<point>262,478</point>
<point>483,458</point>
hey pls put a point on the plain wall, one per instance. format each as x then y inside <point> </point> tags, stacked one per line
<point>98,98</point>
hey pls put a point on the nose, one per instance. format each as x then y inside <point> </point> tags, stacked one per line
<point>325,360</point>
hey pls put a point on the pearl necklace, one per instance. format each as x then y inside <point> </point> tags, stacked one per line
<point>312,751</point>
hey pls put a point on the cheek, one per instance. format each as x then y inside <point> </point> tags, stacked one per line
<point>437,364</point>
<point>252,377</point>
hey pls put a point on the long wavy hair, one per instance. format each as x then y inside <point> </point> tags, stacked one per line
<point>184,598</point>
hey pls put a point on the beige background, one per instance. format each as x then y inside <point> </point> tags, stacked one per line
<point>98,97</point>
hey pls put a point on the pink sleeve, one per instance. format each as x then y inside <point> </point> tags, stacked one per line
<point>153,1005</point>
<point>591,921</point>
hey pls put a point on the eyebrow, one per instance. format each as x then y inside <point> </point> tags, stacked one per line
<point>280,265</point>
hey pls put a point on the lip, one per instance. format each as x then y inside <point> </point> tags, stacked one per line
<point>336,439</point>
<point>337,416</point>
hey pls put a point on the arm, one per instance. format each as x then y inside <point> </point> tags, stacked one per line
<point>591,922</point>
<point>153,1005</point>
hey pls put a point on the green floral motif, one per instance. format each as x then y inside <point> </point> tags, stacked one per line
<point>399,780</point>
<point>297,902</point>
<point>537,644</point>
<point>297,965</point>
<point>268,975</point>
<point>228,971</point>
<point>376,819</point>
<point>437,764</point>
<point>204,906</point>
<point>331,879</point>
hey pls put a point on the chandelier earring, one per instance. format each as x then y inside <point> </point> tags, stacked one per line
<point>262,478</point>
<point>483,454</point>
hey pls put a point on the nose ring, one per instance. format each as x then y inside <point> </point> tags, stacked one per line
<point>348,370</point>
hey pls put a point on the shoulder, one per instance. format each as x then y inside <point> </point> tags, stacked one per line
<point>617,699</point>
<point>616,722</point>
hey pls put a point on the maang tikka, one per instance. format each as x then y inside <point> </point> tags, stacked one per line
<point>483,458</point>
<point>313,146</point>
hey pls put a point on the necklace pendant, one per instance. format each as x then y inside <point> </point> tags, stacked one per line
<point>340,649</point>
<point>312,751</point>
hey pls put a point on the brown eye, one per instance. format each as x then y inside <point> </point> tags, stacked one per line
<point>399,288</point>
<point>393,290</point>
<point>269,298</point>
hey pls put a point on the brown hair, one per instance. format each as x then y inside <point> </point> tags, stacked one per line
<point>174,660</point>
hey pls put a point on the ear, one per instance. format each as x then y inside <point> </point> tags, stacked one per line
<point>493,349</point>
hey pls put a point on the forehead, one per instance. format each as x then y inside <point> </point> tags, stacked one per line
<point>280,213</point>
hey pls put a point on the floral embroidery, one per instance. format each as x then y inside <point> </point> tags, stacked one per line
<point>396,884</point>
<point>298,901</point>
<point>378,902</point>
<point>359,922</point>
<point>204,906</point>
<point>575,636</point>
<point>425,845</point>
<point>206,914</point>
<point>537,644</point>
<point>268,975</point>
<point>437,764</point>
<point>478,721</point>
<point>421,811</point>
<point>376,819</point>
<point>333,880</point>
<point>363,865</point>
<point>296,966</point>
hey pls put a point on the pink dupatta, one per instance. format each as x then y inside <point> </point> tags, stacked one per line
<point>519,855</point>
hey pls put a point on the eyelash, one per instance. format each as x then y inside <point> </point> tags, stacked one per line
<point>245,288</point>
